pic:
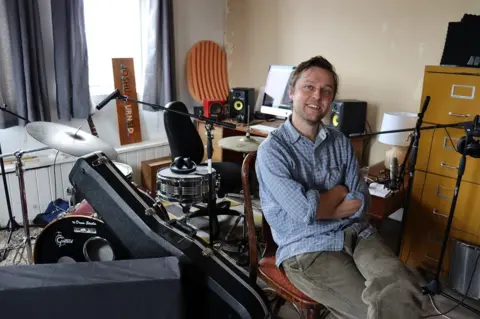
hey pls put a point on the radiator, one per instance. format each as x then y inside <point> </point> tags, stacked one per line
<point>45,183</point>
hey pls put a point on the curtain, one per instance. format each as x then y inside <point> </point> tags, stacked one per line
<point>71,59</point>
<point>159,81</point>
<point>23,86</point>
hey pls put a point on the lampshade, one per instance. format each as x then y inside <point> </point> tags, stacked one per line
<point>397,121</point>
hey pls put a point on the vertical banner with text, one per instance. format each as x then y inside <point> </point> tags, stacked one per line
<point>127,111</point>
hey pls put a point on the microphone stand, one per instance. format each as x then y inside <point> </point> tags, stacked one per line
<point>211,206</point>
<point>433,287</point>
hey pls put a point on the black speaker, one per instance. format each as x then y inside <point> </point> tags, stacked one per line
<point>459,49</point>
<point>349,116</point>
<point>240,101</point>
<point>141,288</point>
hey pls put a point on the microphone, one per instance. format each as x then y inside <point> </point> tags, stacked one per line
<point>393,173</point>
<point>112,96</point>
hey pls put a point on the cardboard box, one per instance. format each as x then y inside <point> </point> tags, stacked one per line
<point>149,172</point>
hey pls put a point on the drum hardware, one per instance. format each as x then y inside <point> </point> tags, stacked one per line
<point>19,169</point>
<point>212,209</point>
<point>12,224</point>
<point>244,144</point>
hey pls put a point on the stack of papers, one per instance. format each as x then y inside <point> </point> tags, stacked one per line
<point>379,190</point>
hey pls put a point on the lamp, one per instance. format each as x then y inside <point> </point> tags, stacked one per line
<point>399,141</point>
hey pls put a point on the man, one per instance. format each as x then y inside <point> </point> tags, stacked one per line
<point>315,200</point>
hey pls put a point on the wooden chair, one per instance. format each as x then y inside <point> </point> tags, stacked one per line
<point>265,268</point>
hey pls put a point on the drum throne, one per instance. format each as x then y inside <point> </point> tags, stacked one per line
<point>185,141</point>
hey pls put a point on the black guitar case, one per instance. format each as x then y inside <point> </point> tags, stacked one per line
<point>213,286</point>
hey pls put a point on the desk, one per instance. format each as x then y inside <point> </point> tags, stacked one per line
<point>221,155</point>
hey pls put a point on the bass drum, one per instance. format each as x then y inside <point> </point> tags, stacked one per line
<point>78,236</point>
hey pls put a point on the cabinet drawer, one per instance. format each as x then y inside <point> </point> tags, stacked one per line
<point>217,132</point>
<point>454,97</point>
<point>438,155</point>
<point>426,252</point>
<point>436,201</point>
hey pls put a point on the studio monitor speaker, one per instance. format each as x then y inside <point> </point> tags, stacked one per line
<point>242,104</point>
<point>349,116</point>
<point>214,109</point>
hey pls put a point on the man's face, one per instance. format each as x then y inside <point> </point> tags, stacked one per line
<point>312,95</point>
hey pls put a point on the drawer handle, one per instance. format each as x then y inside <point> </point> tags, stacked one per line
<point>443,164</point>
<point>447,144</point>
<point>431,258</point>
<point>435,212</point>
<point>439,194</point>
<point>458,115</point>
<point>466,97</point>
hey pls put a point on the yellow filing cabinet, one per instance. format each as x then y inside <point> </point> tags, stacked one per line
<point>455,97</point>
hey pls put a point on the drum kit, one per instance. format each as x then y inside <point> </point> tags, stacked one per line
<point>98,244</point>
<point>90,245</point>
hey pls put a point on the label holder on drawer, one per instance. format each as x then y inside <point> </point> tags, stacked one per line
<point>447,144</point>
<point>439,193</point>
<point>465,97</point>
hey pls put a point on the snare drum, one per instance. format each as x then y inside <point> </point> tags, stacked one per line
<point>185,188</point>
<point>125,169</point>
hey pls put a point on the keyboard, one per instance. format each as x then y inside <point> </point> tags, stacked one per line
<point>263,128</point>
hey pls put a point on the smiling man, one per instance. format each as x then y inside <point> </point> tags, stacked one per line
<point>315,201</point>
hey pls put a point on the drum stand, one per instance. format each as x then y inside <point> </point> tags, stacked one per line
<point>27,239</point>
<point>213,209</point>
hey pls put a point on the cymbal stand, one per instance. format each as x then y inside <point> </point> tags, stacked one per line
<point>19,169</point>
<point>12,224</point>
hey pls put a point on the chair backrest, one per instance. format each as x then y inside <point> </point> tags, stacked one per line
<point>182,134</point>
<point>248,167</point>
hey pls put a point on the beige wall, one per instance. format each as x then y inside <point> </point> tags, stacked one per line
<point>379,47</point>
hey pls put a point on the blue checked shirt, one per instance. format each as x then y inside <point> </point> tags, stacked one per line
<point>292,172</point>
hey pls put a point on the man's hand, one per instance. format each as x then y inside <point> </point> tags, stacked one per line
<point>330,201</point>
<point>347,208</point>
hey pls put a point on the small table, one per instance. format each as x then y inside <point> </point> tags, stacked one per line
<point>381,208</point>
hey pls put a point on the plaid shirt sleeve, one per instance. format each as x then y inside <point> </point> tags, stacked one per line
<point>276,180</point>
<point>355,182</point>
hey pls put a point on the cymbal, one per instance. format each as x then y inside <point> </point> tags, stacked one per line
<point>68,139</point>
<point>242,144</point>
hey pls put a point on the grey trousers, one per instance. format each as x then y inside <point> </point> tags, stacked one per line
<point>365,280</point>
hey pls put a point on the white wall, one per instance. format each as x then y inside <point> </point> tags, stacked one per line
<point>194,20</point>
<point>379,48</point>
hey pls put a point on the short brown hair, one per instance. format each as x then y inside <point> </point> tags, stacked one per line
<point>319,62</point>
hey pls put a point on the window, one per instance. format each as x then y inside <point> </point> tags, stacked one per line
<point>113,30</point>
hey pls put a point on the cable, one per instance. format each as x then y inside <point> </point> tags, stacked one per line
<point>450,138</point>
<point>464,296</point>
<point>436,309</point>
<point>369,127</point>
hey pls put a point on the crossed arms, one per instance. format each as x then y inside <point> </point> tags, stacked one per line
<point>335,206</point>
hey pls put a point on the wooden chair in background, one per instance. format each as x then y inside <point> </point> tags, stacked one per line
<point>264,267</point>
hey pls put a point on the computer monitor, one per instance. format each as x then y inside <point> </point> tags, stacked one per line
<point>276,99</point>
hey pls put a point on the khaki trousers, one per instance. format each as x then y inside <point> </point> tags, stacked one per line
<point>365,280</point>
